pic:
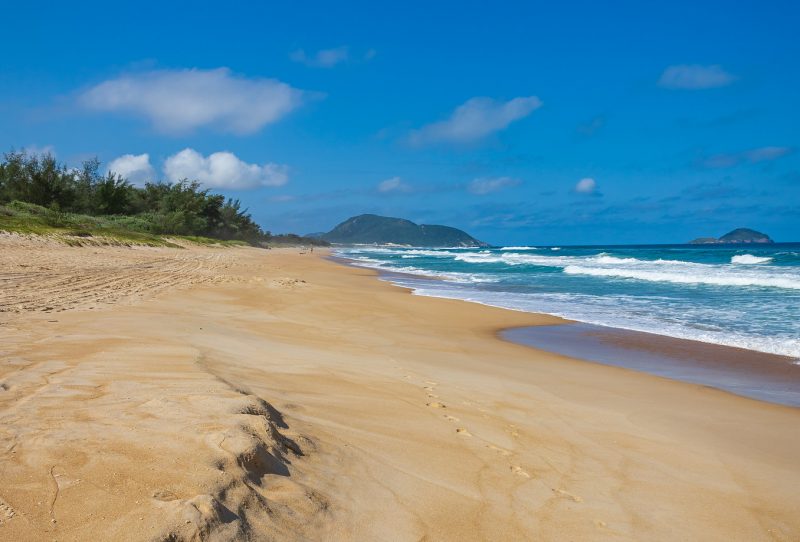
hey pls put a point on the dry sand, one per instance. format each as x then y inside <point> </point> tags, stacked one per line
<point>218,394</point>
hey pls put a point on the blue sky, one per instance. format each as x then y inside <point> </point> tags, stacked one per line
<point>523,123</point>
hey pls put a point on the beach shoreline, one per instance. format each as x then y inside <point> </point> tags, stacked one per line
<point>748,373</point>
<point>279,395</point>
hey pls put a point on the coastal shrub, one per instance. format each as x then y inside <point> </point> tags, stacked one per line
<point>60,197</point>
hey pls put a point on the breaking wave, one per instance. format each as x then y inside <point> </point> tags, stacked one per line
<point>749,259</point>
<point>710,276</point>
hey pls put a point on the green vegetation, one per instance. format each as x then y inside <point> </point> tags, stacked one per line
<point>739,235</point>
<point>38,195</point>
<point>374,229</point>
<point>745,235</point>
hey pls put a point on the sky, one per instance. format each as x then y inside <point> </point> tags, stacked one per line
<point>519,122</point>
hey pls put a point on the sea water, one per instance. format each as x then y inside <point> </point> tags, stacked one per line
<point>746,296</point>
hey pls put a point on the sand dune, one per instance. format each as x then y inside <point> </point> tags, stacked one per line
<point>224,394</point>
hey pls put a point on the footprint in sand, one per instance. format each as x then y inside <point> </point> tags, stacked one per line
<point>436,405</point>
<point>432,396</point>
<point>6,512</point>
<point>450,418</point>
<point>464,432</point>
<point>567,494</point>
<point>519,471</point>
<point>500,451</point>
<point>164,495</point>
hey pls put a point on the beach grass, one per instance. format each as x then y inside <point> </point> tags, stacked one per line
<point>80,230</point>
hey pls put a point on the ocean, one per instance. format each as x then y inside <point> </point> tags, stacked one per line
<point>746,296</point>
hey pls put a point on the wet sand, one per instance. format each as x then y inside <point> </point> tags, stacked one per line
<point>767,377</point>
<point>275,395</point>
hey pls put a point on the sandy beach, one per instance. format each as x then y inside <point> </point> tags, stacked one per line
<point>244,394</point>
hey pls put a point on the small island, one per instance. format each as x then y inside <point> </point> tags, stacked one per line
<point>737,236</point>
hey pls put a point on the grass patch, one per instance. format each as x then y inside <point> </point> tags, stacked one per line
<point>73,229</point>
<point>121,230</point>
<point>210,242</point>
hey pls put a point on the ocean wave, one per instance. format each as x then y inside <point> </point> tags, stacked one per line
<point>605,258</point>
<point>719,279</point>
<point>541,260</point>
<point>453,276</point>
<point>749,259</point>
<point>605,311</point>
<point>520,248</point>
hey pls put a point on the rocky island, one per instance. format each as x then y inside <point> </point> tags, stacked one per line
<point>737,236</point>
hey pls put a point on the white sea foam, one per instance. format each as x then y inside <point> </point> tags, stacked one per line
<point>454,276</point>
<point>519,248</point>
<point>712,275</point>
<point>762,321</point>
<point>605,311</point>
<point>604,258</point>
<point>749,259</point>
<point>744,271</point>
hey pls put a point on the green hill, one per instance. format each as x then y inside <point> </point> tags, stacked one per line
<point>745,235</point>
<point>381,230</point>
<point>739,235</point>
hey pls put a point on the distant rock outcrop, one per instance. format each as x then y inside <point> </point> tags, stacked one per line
<point>382,230</point>
<point>737,236</point>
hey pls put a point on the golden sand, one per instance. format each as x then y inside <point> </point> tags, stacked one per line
<point>226,394</point>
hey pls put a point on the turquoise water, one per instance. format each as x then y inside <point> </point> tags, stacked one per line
<point>744,296</point>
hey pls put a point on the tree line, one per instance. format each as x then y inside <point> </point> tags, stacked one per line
<point>181,208</point>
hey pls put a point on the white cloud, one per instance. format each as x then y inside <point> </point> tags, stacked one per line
<point>483,185</point>
<point>767,153</point>
<point>324,58</point>
<point>695,76</point>
<point>178,101</point>
<point>751,156</point>
<point>476,119</point>
<point>395,184</point>
<point>223,170</point>
<point>135,168</point>
<point>586,186</point>
<point>39,151</point>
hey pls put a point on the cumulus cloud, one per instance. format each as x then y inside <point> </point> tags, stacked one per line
<point>586,185</point>
<point>484,185</point>
<point>223,170</point>
<point>179,101</point>
<point>750,156</point>
<point>135,168</point>
<point>324,58</point>
<point>476,119</point>
<point>395,184</point>
<point>695,76</point>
